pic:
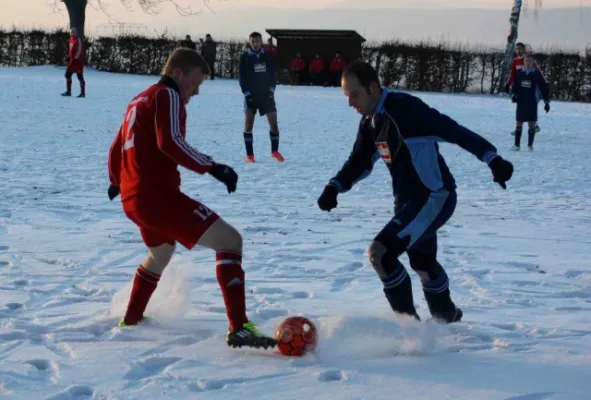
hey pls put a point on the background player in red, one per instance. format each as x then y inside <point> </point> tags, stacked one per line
<point>75,64</point>
<point>143,162</point>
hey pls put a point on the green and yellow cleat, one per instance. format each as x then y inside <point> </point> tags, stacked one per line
<point>249,336</point>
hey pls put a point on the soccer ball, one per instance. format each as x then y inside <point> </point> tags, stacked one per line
<point>296,336</point>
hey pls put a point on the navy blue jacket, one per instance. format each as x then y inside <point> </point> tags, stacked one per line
<point>530,86</point>
<point>405,132</point>
<point>257,72</point>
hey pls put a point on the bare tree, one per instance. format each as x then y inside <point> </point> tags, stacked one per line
<point>77,8</point>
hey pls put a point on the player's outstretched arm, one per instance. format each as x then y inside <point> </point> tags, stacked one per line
<point>357,167</point>
<point>430,123</point>
<point>170,139</point>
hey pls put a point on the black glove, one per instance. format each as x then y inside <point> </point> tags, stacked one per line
<point>226,175</point>
<point>547,107</point>
<point>507,88</point>
<point>502,170</point>
<point>113,192</point>
<point>328,199</point>
<point>514,98</point>
<point>249,101</point>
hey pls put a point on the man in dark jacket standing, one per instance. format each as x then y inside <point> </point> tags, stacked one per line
<point>209,52</point>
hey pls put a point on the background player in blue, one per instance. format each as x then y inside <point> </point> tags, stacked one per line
<point>529,86</point>
<point>257,81</point>
<point>403,131</point>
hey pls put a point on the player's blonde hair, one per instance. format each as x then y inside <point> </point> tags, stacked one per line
<point>187,60</point>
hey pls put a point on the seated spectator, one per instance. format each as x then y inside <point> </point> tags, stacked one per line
<point>317,70</point>
<point>297,69</point>
<point>337,65</point>
<point>270,48</point>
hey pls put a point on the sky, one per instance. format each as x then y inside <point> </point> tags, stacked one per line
<point>236,18</point>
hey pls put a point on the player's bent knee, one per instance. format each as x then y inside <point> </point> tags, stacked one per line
<point>384,259</point>
<point>376,253</point>
<point>158,258</point>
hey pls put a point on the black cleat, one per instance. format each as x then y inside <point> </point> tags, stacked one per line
<point>249,336</point>
<point>449,317</point>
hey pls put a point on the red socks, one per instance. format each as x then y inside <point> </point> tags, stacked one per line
<point>231,279</point>
<point>144,284</point>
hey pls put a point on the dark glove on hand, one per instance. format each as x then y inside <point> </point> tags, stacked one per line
<point>328,199</point>
<point>547,107</point>
<point>249,101</point>
<point>514,98</point>
<point>502,170</point>
<point>113,192</point>
<point>507,88</point>
<point>226,175</point>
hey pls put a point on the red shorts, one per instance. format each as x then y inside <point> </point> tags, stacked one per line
<point>76,67</point>
<point>169,219</point>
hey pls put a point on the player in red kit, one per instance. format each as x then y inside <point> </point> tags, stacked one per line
<point>75,64</point>
<point>143,162</point>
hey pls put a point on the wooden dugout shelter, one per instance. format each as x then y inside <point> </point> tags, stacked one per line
<point>311,41</point>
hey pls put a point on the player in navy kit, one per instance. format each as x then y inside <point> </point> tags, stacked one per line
<point>257,81</point>
<point>404,131</point>
<point>527,90</point>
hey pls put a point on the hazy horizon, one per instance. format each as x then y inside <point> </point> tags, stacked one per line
<point>560,23</point>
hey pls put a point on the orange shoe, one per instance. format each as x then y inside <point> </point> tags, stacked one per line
<point>250,159</point>
<point>277,155</point>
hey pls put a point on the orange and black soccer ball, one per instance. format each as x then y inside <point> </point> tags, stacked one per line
<point>296,336</point>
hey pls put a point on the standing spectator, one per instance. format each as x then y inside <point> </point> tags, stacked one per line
<point>209,52</point>
<point>188,43</point>
<point>75,64</point>
<point>316,70</point>
<point>337,65</point>
<point>297,68</point>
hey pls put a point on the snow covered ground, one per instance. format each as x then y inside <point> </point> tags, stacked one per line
<point>519,260</point>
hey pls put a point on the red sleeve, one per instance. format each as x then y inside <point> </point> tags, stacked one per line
<point>169,134</point>
<point>513,72</point>
<point>114,162</point>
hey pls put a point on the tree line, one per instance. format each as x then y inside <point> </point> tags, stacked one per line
<point>421,66</point>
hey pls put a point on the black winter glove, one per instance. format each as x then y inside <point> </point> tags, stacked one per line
<point>113,192</point>
<point>502,170</point>
<point>547,107</point>
<point>514,98</point>
<point>226,175</point>
<point>507,88</point>
<point>249,101</point>
<point>328,199</point>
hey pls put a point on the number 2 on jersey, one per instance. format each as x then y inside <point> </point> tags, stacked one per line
<point>128,133</point>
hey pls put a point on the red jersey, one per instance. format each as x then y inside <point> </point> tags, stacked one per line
<point>270,49</point>
<point>75,48</point>
<point>337,64</point>
<point>298,64</point>
<point>316,65</point>
<point>76,53</point>
<point>150,144</point>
